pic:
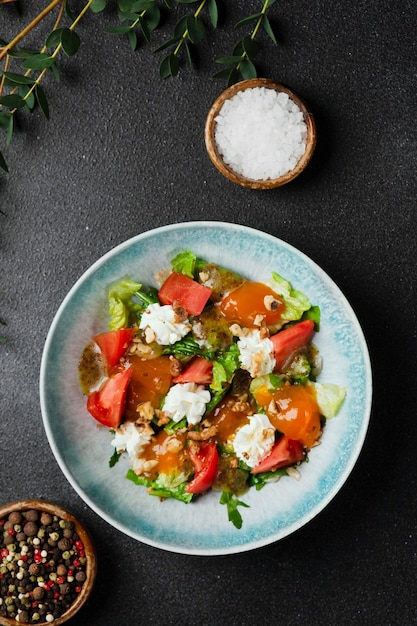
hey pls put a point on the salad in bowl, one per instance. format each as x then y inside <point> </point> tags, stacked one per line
<point>208,381</point>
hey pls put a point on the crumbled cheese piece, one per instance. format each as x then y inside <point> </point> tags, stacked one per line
<point>256,353</point>
<point>133,439</point>
<point>159,322</point>
<point>254,440</point>
<point>186,400</point>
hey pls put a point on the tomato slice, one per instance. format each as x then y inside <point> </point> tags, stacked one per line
<point>290,339</point>
<point>199,371</point>
<point>189,293</point>
<point>285,452</point>
<point>106,405</point>
<point>114,344</point>
<point>205,464</point>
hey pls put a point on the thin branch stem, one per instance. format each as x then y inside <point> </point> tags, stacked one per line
<point>29,27</point>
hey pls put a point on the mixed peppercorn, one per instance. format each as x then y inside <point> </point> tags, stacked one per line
<point>42,566</point>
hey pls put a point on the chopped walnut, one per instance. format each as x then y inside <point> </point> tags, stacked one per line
<point>149,335</point>
<point>180,313</point>
<point>242,407</point>
<point>202,435</point>
<point>174,445</point>
<point>175,366</point>
<point>149,465</point>
<point>146,411</point>
<point>259,319</point>
<point>272,408</point>
<point>162,418</point>
<point>236,330</point>
<point>271,303</point>
<point>204,276</point>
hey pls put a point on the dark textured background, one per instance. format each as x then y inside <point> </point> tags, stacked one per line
<point>124,152</point>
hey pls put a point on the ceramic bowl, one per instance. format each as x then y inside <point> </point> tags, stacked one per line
<point>226,170</point>
<point>89,549</point>
<point>83,450</point>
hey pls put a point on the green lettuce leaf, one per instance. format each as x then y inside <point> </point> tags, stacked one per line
<point>329,396</point>
<point>184,263</point>
<point>121,306</point>
<point>296,303</point>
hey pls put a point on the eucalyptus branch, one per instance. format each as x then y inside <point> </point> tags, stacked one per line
<point>240,63</point>
<point>25,91</point>
<point>137,20</point>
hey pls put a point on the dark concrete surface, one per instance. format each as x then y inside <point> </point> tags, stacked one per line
<point>124,152</point>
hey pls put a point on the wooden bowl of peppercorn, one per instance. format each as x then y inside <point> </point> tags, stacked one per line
<point>47,564</point>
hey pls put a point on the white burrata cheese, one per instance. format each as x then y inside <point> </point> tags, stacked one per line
<point>186,400</point>
<point>160,319</point>
<point>254,440</point>
<point>256,353</point>
<point>133,439</point>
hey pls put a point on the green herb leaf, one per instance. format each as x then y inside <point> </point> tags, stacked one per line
<point>268,29</point>
<point>42,101</point>
<point>213,12</point>
<point>231,502</point>
<point>250,47</point>
<point>169,66</point>
<point>247,69</point>
<point>12,101</point>
<point>70,41</point>
<point>184,263</point>
<point>54,38</point>
<point>18,79</point>
<point>196,29</point>
<point>38,62</point>
<point>133,39</point>
<point>118,30</point>
<point>145,30</point>
<point>229,60</point>
<point>114,458</point>
<point>97,6</point>
<point>248,20</point>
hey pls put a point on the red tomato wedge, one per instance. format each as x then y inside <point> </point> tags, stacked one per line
<point>290,339</point>
<point>114,344</point>
<point>190,294</point>
<point>285,452</point>
<point>205,464</point>
<point>199,371</point>
<point>106,404</point>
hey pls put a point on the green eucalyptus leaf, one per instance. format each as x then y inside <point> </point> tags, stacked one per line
<point>167,44</point>
<point>10,130</point>
<point>12,101</point>
<point>187,1</point>
<point>98,5</point>
<point>27,93</point>
<point>118,30</point>
<point>54,38</point>
<point>238,49</point>
<point>68,11</point>
<point>4,119</point>
<point>224,73</point>
<point>3,163</point>
<point>248,20</point>
<point>268,29</point>
<point>169,66</point>
<point>250,47</point>
<point>138,6</point>
<point>18,79</point>
<point>42,101</point>
<point>153,17</point>
<point>188,51</point>
<point>70,42</point>
<point>38,62</point>
<point>55,72</point>
<point>247,69</point>
<point>229,60</point>
<point>196,29</point>
<point>145,30</point>
<point>234,77</point>
<point>213,12</point>
<point>133,39</point>
<point>126,16</point>
<point>181,26</point>
<point>271,2</point>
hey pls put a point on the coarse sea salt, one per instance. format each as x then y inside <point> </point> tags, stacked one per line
<point>260,133</point>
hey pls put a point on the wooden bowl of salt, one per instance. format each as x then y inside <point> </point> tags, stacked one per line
<point>259,134</point>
